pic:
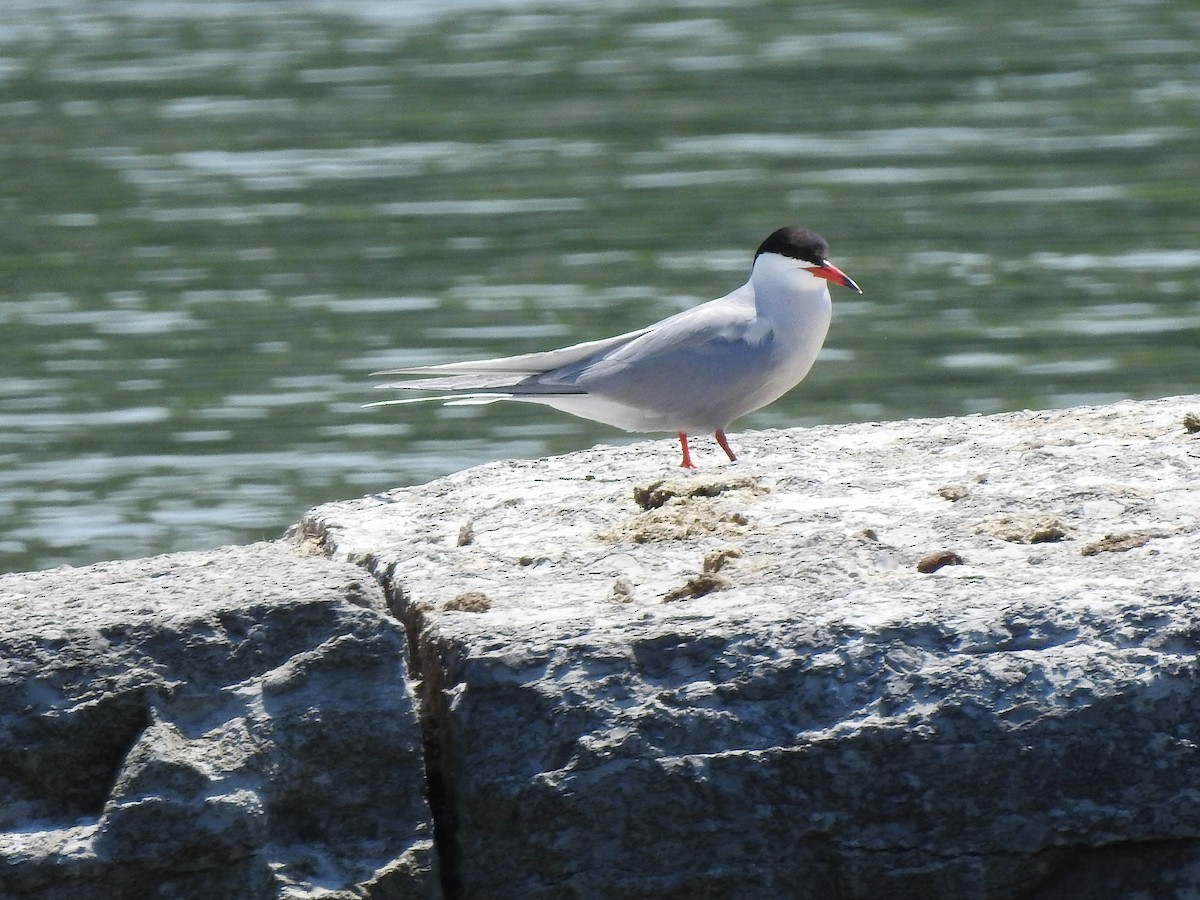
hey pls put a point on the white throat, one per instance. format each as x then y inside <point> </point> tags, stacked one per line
<point>783,285</point>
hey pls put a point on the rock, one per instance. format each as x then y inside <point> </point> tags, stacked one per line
<point>234,723</point>
<point>832,722</point>
<point>927,565</point>
<point>927,658</point>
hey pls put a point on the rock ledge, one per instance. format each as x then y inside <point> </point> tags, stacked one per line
<point>950,657</point>
<point>927,658</point>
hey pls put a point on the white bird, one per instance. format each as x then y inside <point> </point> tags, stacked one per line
<point>695,371</point>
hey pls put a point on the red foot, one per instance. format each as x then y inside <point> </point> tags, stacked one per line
<point>687,457</point>
<point>720,435</point>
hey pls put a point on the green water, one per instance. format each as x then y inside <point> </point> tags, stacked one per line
<point>217,219</point>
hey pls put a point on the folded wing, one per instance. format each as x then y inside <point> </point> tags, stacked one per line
<point>636,362</point>
<point>505,371</point>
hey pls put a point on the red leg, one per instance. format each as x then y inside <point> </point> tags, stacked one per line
<point>687,457</point>
<point>720,435</point>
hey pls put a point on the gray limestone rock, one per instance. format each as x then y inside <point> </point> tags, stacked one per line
<point>234,723</point>
<point>952,658</point>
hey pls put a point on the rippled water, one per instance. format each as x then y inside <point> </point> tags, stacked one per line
<point>217,219</point>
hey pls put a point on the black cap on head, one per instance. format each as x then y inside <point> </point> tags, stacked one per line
<point>798,243</point>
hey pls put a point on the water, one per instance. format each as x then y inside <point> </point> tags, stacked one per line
<point>217,219</point>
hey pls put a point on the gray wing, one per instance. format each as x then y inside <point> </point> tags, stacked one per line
<point>508,372</point>
<point>633,365</point>
<point>702,367</point>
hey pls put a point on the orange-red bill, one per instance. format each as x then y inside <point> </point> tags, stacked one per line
<point>830,272</point>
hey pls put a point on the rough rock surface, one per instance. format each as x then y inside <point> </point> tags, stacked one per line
<point>950,658</point>
<point>234,723</point>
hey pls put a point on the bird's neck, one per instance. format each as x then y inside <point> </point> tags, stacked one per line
<point>786,292</point>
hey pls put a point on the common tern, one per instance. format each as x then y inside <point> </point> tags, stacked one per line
<point>695,371</point>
